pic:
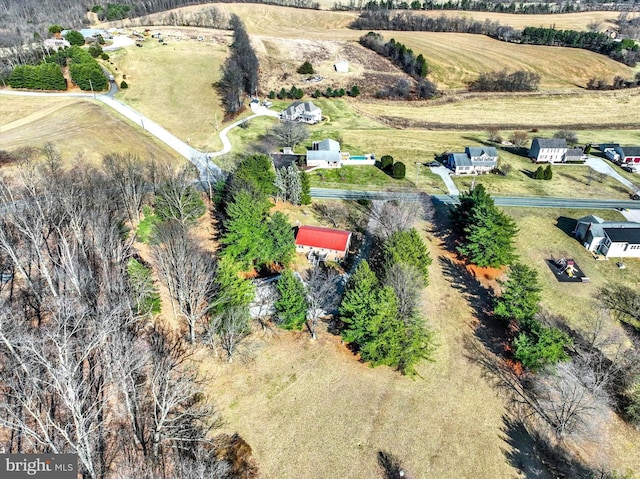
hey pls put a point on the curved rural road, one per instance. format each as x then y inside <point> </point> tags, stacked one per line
<point>207,169</point>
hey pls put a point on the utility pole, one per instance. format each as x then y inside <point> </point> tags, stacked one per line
<point>92,92</point>
<point>417,171</point>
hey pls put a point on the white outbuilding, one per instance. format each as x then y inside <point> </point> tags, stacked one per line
<point>342,66</point>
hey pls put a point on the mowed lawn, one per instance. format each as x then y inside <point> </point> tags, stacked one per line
<point>78,128</point>
<point>309,409</point>
<point>172,85</point>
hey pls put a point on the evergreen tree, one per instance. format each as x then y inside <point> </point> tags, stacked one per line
<point>358,304</point>
<point>256,174</point>
<point>281,242</point>
<point>305,198</point>
<point>74,37</point>
<point>540,345</point>
<point>291,306</point>
<point>488,239</point>
<point>407,247</point>
<point>548,173</point>
<point>245,238</point>
<point>306,69</point>
<point>520,296</point>
<point>461,216</point>
<point>233,290</point>
<point>399,170</point>
<point>355,91</point>
<point>539,173</point>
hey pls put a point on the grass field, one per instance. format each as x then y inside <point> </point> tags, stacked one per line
<point>75,127</point>
<point>454,59</point>
<point>310,410</point>
<point>172,85</point>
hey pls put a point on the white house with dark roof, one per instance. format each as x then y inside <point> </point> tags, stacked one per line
<point>615,239</point>
<point>548,150</point>
<point>474,160</point>
<point>303,111</point>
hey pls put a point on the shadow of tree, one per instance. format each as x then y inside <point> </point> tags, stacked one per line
<point>540,457</point>
<point>390,466</point>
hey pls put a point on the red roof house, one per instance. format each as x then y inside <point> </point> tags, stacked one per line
<point>325,243</point>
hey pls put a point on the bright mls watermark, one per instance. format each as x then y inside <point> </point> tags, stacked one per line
<point>38,466</point>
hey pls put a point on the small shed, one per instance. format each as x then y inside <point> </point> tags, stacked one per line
<point>342,66</point>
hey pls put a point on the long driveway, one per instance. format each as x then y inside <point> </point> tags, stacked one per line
<point>207,169</point>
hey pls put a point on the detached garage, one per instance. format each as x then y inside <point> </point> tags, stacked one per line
<point>323,244</point>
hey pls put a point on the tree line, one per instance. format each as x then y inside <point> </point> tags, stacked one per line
<point>46,76</point>
<point>592,40</point>
<point>520,80</point>
<point>403,57</point>
<point>86,367</point>
<point>479,5</point>
<point>240,70</point>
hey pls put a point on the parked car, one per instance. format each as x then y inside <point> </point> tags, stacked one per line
<point>635,196</point>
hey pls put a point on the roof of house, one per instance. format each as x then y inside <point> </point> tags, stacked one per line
<point>307,107</point>
<point>323,155</point>
<point>624,235</point>
<point>481,150</point>
<point>630,150</point>
<point>574,152</point>
<point>326,145</point>
<point>550,142</point>
<point>599,227</point>
<point>461,159</point>
<point>327,238</point>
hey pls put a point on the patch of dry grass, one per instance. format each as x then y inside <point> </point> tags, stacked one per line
<point>75,127</point>
<point>172,85</point>
<point>310,410</point>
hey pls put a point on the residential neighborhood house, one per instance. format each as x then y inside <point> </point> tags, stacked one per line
<point>623,155</point>
<point>302,111</point>
<point>327,154</point>
<point>612,239</point>
<point>549,150</point>
<point>474,160</point>
<point>322,244</point>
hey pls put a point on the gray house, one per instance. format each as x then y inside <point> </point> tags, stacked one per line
<point>325,153</point>
<point>548,150</point>
<point>474,160</point>
<point>303,111</point>
<point>614,239</point>
<point>624,155</point>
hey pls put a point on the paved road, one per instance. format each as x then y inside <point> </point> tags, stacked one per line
<point>529,202</point>
<point>602,166</point>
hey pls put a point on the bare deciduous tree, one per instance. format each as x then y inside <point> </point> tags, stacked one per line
<point>322,296</point>
<point>127,173</point>
<point>406,283</point>
<point>232,326</point>
<point>390,216</point>
<point>187,271</point>
<point>289,133</point>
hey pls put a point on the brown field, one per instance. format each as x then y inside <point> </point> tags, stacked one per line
<point>454,59</point>
<point>310,410</point>
<point>75,127</point>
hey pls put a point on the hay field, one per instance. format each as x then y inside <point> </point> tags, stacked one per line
<point>457,58</point>
<point>75,126</point>
<point>562,21</point>
<point>310,410</point>
<point>512,111</point>
<point>172,84</point>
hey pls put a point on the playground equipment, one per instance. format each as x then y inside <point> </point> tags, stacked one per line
<point>566,266</point>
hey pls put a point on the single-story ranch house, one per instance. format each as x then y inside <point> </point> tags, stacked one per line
<point>303,111</point>
<point>474,160</point>
<point>615,239</point>
<point>327,154</point>
<point>325,244</point>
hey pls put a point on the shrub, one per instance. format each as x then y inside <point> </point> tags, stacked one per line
<point>539,174</point>
<point>355,91</point>
<point>104,56</point>
<point>316,94</point>
<point>306,69</point>
<point>548,173</point>
<point>124,85</point>
<point>386,162</point>
<point>95,50</point>
<point>272,94</point>
<point>399,170</point>
<point>74,37</point>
